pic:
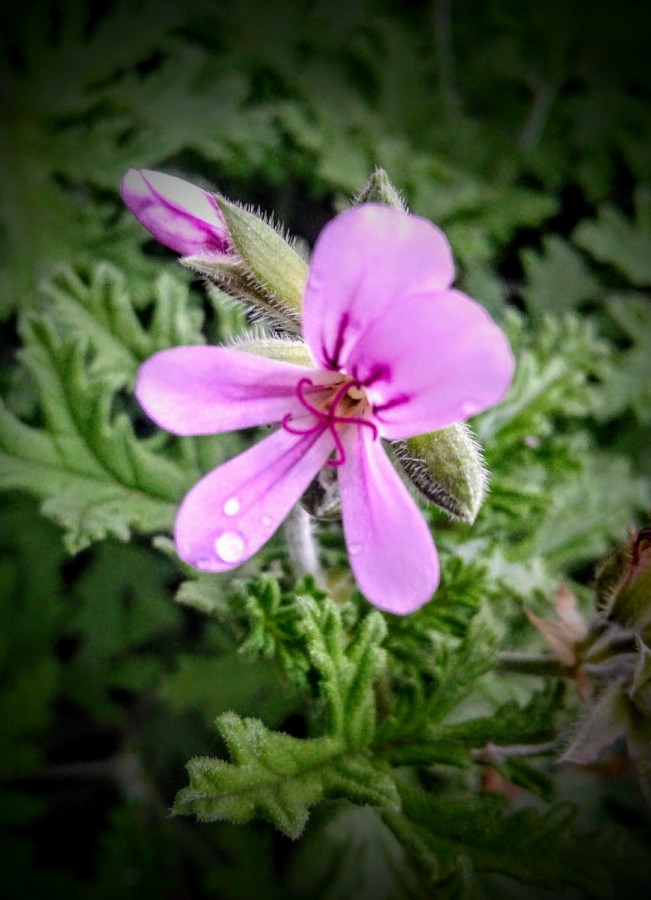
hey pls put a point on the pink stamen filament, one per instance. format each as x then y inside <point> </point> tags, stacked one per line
<point>327,418</point>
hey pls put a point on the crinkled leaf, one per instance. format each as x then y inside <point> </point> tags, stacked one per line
<point>347,668</point>
<point>558,279</point>
<point>454,839</point>
<point>100,308</point>
<point>92,474</point>
<point>628,386</point>
<point>614,239</point>
<point>352,853</point>
<point>279,777</point>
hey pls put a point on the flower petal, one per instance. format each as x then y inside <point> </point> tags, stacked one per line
<point>228,515</point>
<point>206,390</point>
<point>177,213</point>
<point>391,550</point>
<point>366,261</point>
<point>433,363</point>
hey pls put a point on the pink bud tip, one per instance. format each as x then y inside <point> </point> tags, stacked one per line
<point>178,214</point>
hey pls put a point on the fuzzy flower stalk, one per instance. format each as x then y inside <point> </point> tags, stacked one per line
<point>394,352</point>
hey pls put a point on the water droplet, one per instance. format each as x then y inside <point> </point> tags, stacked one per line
<point>232,507</point>
<point>267,521</point>
<point>354,549</point>
<point>230,546</point>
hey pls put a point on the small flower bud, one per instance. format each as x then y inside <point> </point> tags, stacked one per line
<point>623,583</point>
<point>178,214</point>
<point>380,189</point>
<point>447,468</point>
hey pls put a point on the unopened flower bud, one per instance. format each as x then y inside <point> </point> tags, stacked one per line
<point>380,189</point>
<point>447,468</point>
<point>178,214</point>
<point>623,583</point>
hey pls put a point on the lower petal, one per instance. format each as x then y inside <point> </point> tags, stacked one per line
<point>234,510</point>
<point>391,550</point>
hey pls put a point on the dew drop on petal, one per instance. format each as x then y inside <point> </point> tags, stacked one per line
<point>267,521</point>
<point>230,546</point>
<point>231,507</point>
<point>354,549</point>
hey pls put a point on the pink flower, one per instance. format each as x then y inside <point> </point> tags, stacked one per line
<point>396,353</point>
<point>175,212</point>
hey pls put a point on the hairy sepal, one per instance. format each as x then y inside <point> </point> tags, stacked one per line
<point>274,268</point>
<point>228,273</point>
<point>447,468</point>
<point>380,189</point>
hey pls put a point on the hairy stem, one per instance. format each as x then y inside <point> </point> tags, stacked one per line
<point>301,546</point>
<point>494,755</point>
<point>531,664</point>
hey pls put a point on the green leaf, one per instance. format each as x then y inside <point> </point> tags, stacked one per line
<point>100,308</point>
<point>278,777</point>
<point>613,239</point>
<point>628,386</point>
<point>352,853</point>
<point>558,279</point>
<point>94,476</point>
<point>121,603</point>
<point>454,838</point>
<point>451,743</point>
<point>347,668</point>
<point>590,510</point>
<point>275,628</point>
<point>215,685</point>
<point>447,673</point>
<point>119,611</point>
<point>557,365</point>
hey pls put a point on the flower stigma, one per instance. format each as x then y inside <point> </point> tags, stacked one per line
<point>334,410</point>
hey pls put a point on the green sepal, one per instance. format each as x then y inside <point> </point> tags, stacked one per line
<point>640,692</point>
<point>606,721</point>
<point>623,583</point>
<point>380,189</point>
<point>274,268</point>
<point>229,274</point>
<point>282,349</point>
<point>447,468</point>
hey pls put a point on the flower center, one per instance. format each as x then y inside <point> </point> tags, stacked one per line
<point>333,410</point>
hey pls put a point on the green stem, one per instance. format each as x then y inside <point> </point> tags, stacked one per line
<point>301,546</point>
<point>531,664</point>
<point>494,755</point>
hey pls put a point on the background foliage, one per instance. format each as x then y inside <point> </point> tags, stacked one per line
<point>524,130</point>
